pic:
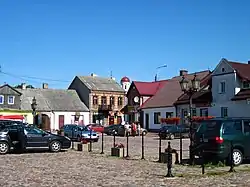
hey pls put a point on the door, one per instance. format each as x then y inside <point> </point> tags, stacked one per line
<point>119,119</point>
<point>61,121</point>
<point>111,120</point>
<point>36,138</point>
<point>247,137</point>
<point>147,121</point>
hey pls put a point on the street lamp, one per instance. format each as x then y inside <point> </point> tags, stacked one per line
<point>156,75</point>
<point>190,89</point>
<point>33,106</point>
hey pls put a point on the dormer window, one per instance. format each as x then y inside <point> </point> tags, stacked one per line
<point>222,69</point>
<point>246,85</point>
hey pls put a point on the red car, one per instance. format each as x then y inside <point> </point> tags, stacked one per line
<point>96,127</point>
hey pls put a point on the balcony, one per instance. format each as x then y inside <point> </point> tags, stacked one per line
<point>105,107</point>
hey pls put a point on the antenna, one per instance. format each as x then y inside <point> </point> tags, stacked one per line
<point>111,74</point>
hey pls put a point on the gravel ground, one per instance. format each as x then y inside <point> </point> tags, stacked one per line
<point>73,168</point>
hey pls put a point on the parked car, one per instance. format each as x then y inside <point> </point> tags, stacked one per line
<point>76,133</point>
<point>120,130</point>
<point>173,131</point>
<point>214,137</point>
<point>33,137</point>
<point>96,127</point>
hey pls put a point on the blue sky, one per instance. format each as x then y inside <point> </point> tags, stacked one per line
<point>60,39</point>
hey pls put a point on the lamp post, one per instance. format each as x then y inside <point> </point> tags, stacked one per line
<point>34,106</point>
<point>190,89</point>
<point>157,72</point>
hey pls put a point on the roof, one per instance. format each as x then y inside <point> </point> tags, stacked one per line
<point>125,79</point>
<point>149,88</point>
<point>170,92</point>
<point>52,100</point>
<point>101,84</point>
<point>201,96</point>
<point>242,95</point>
<point>242,69</point>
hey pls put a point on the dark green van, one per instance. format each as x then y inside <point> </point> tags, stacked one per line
<point>215,136</point>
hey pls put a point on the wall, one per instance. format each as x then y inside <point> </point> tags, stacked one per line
<point>68,118</point>
<point>8,91</point>
<point>81,90</point>
<point>179,109</point>
<point>28,115</point>
<point>151,112</point>
<point>232,86</point>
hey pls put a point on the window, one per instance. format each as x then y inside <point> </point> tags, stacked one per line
<point>1,99</point>
<point>222,69</point>
<point>104,100</point>
<point>30,130</point>
<point>222,87</point>
<point>157,116</point>
<point>125,87</point>
<point>203,112</point>
<point>224,112</point>
<point>120,103</point>
<point>95,100</point>
<point>11,100</point>
<point>247,127</point>
<point>246,84</point>
<point>112,100</point>
<point>232,127</point>
<point>194,112</point>
<point>169,114</point>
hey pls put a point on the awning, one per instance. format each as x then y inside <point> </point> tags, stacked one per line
<point>16,117</point>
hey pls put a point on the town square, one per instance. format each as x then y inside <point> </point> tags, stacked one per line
<point>124,93</point>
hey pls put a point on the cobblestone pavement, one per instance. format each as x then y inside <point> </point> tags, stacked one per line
<point>73,168</point>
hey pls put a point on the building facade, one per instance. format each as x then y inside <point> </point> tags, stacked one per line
<point>103,96</point>
<point>231,91</point>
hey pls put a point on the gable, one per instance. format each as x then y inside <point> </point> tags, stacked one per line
<point>133,89</point>
<point>223,68</point>
<point>8,90</point>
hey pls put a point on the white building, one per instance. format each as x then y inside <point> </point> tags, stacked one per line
<point>55,107</point>
<point>161,105</point>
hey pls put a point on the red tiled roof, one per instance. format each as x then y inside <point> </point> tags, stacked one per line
<point>149,88</point>
<point>169,93</point>
<point>242,69</point>
<point>242,95</point>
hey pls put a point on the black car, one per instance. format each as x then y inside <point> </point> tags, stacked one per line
<point>109,130</point>
<point>173,131</point>
<point>13,134</point>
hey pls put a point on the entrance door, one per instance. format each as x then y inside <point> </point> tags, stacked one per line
<point>61,121</point>
<point>119,119</point>
<point>111,120</point>
<point>147,121</point>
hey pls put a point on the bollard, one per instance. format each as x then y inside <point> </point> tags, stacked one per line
<point>159,149</point>
<point>90,141</point>
<point>180,147</point>
<point>114,139</point>
<point>142,146</point>
<point>72,137</point>
<point>102,142</point>
<point>170,161</point>
<point>203,163</point>
<point>231,159</point>
<point>127,147</point>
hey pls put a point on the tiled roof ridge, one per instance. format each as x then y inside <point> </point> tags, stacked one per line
<point>243,63</point>
<point>152,81</point>
<point>197,72</point>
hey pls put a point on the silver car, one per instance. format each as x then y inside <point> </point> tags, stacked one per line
<point>77,133</point>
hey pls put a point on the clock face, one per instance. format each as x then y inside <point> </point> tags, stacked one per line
<point>136,99</point>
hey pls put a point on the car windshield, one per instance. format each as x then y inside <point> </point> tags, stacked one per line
<point>83,128</point>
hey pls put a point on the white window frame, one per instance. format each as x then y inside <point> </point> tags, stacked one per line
<point>2,100</point>
<point>220,87</point>
<point>9,100</point>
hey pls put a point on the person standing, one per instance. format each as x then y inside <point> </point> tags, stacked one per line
<point>134,129</point>
<point>139,129</point>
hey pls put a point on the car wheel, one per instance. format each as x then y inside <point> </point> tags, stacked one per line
<point>237,157</point>
<point>4,147</point>
<point>55,146</point>
<point>144,133</point>
<point>171,136</point>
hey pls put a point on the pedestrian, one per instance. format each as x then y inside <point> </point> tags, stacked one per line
<point>139,129</point>
<point>127,129</point>
<point>134,129</point>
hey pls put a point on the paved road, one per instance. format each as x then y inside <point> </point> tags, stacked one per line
<point>73,168</point>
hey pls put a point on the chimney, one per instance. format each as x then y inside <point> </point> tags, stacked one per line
<point>93,75</point>
<point>183,72</point>
<point>45,86</point>
<point>23,86</point>
<point>248,61</point>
